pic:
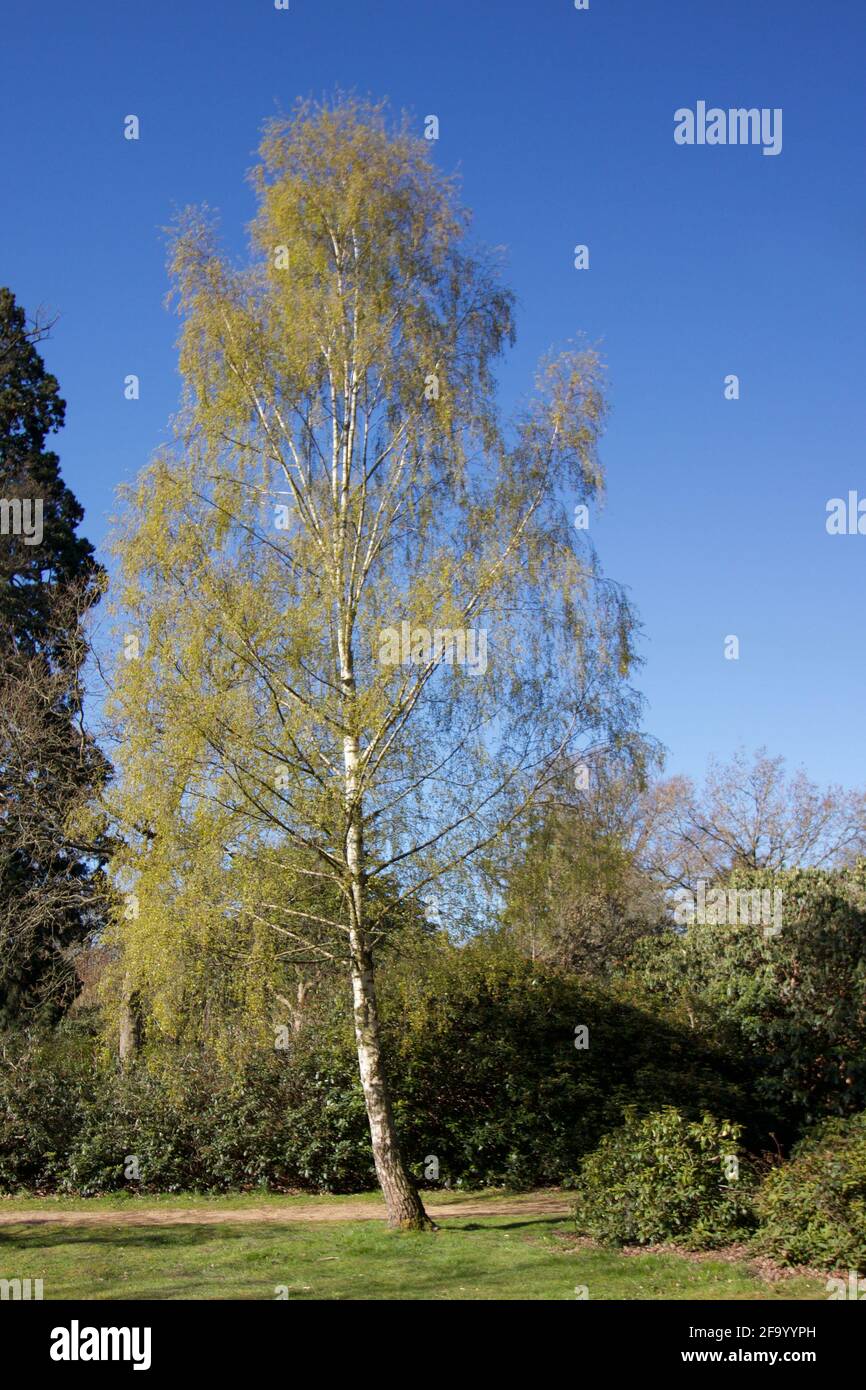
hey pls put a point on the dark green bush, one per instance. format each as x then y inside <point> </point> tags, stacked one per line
<point>134,1115</point>
<point>665,1178</point>
<point>46,1085</point>
<point>485,1078</point>
<point>791,1005</point>
<point>274,1123</point>
<point>813,1209</point>
<point>291,1120</point>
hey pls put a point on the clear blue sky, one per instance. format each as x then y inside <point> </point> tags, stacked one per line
<point>704,261</point>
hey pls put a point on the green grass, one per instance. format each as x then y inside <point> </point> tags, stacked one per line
<point>127,1201</point>
<point>504,1257</point>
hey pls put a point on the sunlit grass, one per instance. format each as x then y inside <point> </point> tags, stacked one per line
<point>502,1257</point>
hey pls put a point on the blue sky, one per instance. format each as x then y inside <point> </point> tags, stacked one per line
<point>704,261</point>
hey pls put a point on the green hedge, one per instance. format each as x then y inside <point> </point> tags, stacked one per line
<point>485,1078</point>
<point>270,1121</point>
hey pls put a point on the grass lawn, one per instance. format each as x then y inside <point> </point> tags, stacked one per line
<point>235,1201</point>
<point>483,1257</point>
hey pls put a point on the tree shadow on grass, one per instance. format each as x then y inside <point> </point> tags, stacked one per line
<point>525,1223</point>
<point>181,1236</point>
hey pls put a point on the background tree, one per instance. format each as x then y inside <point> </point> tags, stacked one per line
<point>48,764</point>
<point>30,409</point>
<point>341,470</point>
<point>575,893</point>
<point>748,815</point>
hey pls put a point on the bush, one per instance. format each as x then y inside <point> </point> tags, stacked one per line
<point>813,1208</point>
<point>46,1084</point>
<point>133,1113</point>
<point>663,1178</point>
<point>292,1120</point>
<point>273,1122</point>
<point>487,1078</point>
<point>484,1074</point>
<point>71,1119</point>
<point>791,1006</point>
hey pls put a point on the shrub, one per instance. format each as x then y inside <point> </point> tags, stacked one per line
<point>812,1209</point>
<point>70,1119</point>
<point>271,1121</point>
<point>484,1074</point>
<point>791,1005</point>
<point>133,1112</point>
<point>46,1083</point>
<point>664,1178</point>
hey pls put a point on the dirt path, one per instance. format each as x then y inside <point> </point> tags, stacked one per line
<point>318,1211</point>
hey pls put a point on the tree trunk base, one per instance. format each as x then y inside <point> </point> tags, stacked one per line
<point>413,1223</point>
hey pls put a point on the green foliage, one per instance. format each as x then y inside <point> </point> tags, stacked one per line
<point>813,1208</point>
<point>480,1051</point>
<point>793,1003</point>
<point>662,1177</point>
<point>486,1075</point>
<point>72,1122</point>
<point>49,876</point>
<point>30,409</point>
<point>45,1086</point>
<point>575,896</point>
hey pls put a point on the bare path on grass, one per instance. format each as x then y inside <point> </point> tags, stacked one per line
<point>531,1205</point>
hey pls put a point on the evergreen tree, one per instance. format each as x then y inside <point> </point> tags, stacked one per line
<point>48,764</point>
